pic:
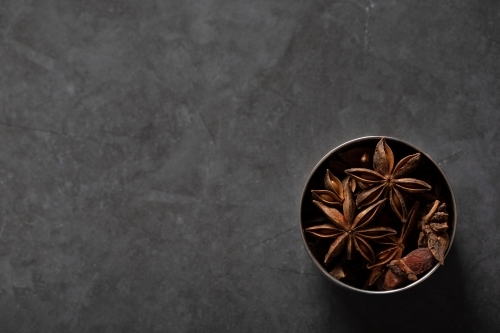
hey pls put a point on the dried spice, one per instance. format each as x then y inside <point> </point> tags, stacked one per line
<point>333,195</point>
<point>417,262</point>
<point>364,242</point>
<point>434,234</point>
<point>396,246</point>
<point>387,180</point>
<point>347,229</point>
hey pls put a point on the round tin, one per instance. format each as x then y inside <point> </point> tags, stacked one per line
<point>395,144</point>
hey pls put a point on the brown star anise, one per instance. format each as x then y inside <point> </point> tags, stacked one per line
<point>387,181</point>
<point>347,230</point>
<point>333,195</point>
<point>434,234</point>
<point>397,244</point>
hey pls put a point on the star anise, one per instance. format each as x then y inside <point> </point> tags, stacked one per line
<point>347,230</point>
<point>333,195</point>
<point>387,181</point>
<point>434,234</point>
<point>397,244</point>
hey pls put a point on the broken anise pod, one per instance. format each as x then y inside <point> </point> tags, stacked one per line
<point>415,263</point>
<point>434,234</point>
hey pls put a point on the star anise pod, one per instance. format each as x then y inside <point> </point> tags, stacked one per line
<point>348,230</point>
<point>434,234</point>
<point>396,246</point>
<point>387,181</point>
<point>333,194</point>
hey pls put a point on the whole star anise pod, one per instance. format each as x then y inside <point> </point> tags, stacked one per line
<point>387,181</point>
<point>348,230</point>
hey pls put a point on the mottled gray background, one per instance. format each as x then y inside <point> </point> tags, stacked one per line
<point>154,153</point>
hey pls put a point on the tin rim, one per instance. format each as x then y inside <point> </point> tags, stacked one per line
<point>322,269</point>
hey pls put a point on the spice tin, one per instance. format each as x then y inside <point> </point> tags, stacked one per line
<point>319,170</point>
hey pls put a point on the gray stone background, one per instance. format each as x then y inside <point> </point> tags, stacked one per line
<point>154,153</point>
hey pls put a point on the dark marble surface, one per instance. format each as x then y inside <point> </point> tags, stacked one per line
<point>154,153</point>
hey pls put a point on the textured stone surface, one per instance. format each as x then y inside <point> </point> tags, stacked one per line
<point>154,153</point>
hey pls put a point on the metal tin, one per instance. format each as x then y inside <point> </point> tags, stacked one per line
<point>354,143</point>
